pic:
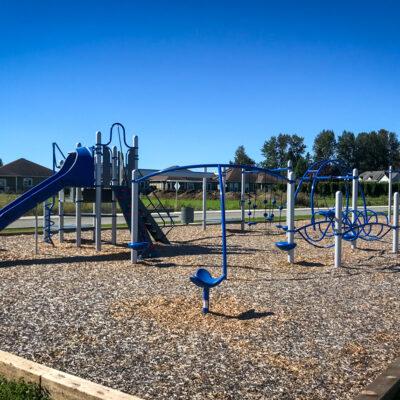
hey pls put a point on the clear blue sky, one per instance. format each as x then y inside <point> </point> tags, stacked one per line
<point>194,79</point>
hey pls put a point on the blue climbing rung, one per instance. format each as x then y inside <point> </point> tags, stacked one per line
<point>327,213</point>
<point>286,246</point>
<point>138,245</point>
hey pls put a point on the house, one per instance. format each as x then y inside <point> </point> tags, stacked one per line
<point>372,176</point>
<point>187,179</point>
<point>395,177</point>
<point>20,175</point>
<point>254,181</point>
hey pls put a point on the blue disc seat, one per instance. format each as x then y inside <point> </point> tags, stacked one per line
<point>138,245</point>
<point>204,279</point>
<point>285,246</point>
<point>350,236</point>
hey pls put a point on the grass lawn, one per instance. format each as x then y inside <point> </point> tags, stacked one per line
<point>197,204</point>
<point>19,390</point>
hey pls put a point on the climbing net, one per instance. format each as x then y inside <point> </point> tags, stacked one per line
<point>358,222</point>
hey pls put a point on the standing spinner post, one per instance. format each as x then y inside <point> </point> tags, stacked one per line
<point>290,214</point>
<point>354,201</point>
<point>98,193</point>
<point>396,223</point>
<point>338,228</point>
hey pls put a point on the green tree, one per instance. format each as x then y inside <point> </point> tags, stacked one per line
<point>324,146</point>
<point>241,157</point>
<point>346,148</point>
<point>278,150</point>
<point>302,165</point>
<point>1,162</point>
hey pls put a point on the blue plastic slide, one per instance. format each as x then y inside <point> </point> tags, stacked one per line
<point>77,171</point>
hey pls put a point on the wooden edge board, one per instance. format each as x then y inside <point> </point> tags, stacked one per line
<point>59,385</point>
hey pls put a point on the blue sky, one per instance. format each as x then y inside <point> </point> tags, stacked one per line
<point>194,79</point>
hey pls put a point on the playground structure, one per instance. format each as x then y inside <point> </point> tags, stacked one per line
<point>97,174</point>
<point>104,174</point>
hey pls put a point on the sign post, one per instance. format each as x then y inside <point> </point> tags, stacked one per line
<point>176,186</point>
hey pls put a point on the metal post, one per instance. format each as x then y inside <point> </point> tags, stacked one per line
<point>134,215</point>
<point>36,231</point>
<point>354,201</point>
<point>44,220</point>
<point>396,223</point>
<point>242,200</point>
<point>205,200</point>
<point>114,182</point>
<point>290,213</point>
<point>390,192</point>
<point>338,228</point>
<point>78,216</point>
<point>98,192</point>
<point>121,167</point>
<point>290,168</point>
<point>61,197</point>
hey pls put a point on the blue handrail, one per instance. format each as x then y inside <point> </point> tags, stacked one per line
<point>195,166</point>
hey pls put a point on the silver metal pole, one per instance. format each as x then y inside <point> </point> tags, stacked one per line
<point>354,201</point>
<point>44,220</point>
<point>396,223</point>
<point>61,197</point>
<point>205,200</point>
<point>338,228</point>
<point>78,213</point>
<point>36,231</point>
<point>98,192</point>
<point>78,216</point>
<point>290,213</point>
<point>114,182</point>
<point>290,168</point>
<point>390,192</point>
<point>242,200</point>
<point>134,215</point>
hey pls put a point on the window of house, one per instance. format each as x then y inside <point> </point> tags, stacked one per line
<point>28,182</point>
<point>3,183</point>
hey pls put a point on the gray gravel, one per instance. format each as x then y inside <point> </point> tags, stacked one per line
<point>278,332</point>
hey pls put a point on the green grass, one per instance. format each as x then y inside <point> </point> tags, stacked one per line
<point>19,390</point>
<point>197,204</point>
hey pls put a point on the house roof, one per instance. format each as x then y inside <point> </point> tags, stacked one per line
<point>234,175</point>
<point>25,168</point>
<point>180,175</point>
<point>372,175</point>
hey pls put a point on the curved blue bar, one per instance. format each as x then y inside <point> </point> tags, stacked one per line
<point>195,166</point>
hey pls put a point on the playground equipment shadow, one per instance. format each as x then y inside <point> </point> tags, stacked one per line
<point>275,331</point>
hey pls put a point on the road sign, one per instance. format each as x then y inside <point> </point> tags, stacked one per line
<point>177,186</point>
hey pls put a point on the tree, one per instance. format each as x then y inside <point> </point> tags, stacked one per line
<point>302,164</point>
<point>1,162</point>
<point>324,146</point>
<point>278,150</point>
<point>241,157</point>
<point>346,148</point>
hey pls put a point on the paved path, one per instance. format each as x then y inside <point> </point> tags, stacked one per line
<point>212,216</point>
